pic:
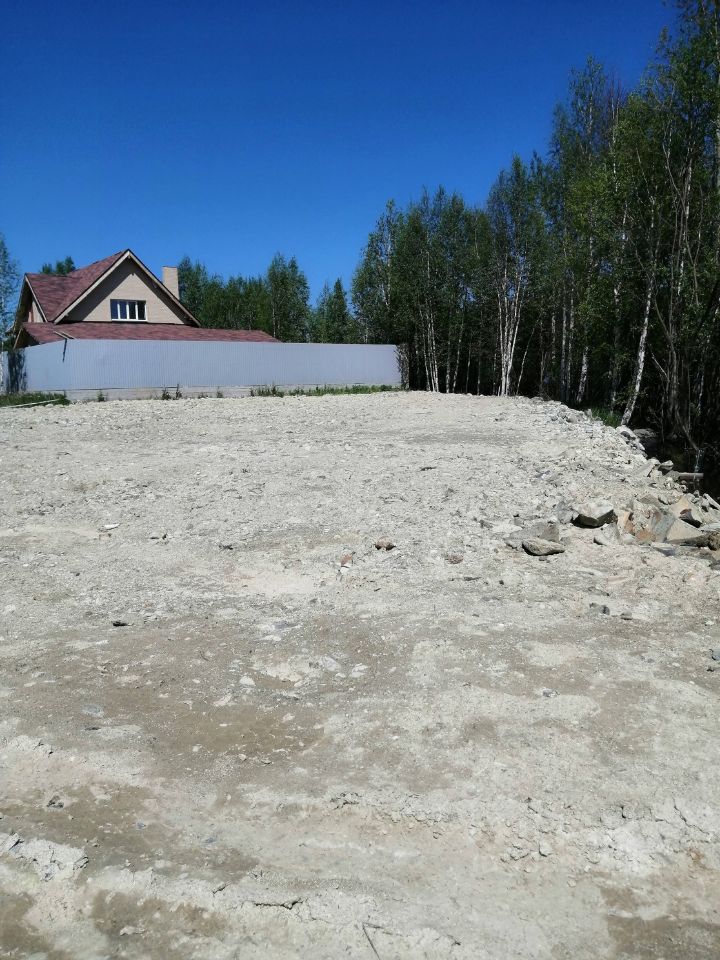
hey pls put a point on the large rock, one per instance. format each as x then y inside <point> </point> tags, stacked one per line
<point>651,522</point>
<point>539,530</point>
<point>594,513</point>
<point>611,536</point>
<point>542,529</point>
<point>685,510</point>
<point>537,547</point>
<point>670,529</point>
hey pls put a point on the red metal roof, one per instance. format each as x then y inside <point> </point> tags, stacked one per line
<point>56,293</point>
<point>113,330</point>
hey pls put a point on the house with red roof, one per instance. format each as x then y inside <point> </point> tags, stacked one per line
<point>117,298</point>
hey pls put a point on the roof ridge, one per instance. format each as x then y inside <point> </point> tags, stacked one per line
<point>73,273</point>
<point>56,292</point>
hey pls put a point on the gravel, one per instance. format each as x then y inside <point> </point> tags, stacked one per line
<point>395,756</point>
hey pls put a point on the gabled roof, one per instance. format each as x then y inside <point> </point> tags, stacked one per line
<point>57,295</point>
<point>54,294</point>
<point>38,333</point>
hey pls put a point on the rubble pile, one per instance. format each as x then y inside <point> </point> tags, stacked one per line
<point>671,514</point>
<point>660,511</point>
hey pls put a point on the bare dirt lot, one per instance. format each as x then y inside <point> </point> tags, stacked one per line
<point>216,742</point>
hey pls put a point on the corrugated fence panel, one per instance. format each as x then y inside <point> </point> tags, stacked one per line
<point>141,365</point>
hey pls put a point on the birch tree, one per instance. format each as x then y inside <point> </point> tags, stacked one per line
<point>517,230</point>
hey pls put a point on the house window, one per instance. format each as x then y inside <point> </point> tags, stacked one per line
<point>127,310</point>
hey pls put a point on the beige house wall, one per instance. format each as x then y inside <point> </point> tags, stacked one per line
<point>127,282</point>
<point>34,314</point>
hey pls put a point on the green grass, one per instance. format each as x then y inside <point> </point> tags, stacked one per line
<point>318,391</point>
<point>23,399</point>
<point>608,417</point>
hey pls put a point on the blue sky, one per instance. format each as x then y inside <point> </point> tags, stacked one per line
<point>231,131</point>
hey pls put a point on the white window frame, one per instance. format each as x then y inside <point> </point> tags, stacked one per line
<point>130,306</point>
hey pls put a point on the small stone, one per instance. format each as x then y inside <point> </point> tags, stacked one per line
<point>518,852</point>
<point>384,543</point>
<point>600,607</point>
<point>246,681</point>
<point>545,850</point>
<point>537,547</point>
<point>120,623</point>
<point>55,802</point>
<point>345,800</point>
<point>454,558</point>
<point>715,654</point>
<point>92,710</point>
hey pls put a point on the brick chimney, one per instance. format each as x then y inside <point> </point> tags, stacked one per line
<point>170,280</point>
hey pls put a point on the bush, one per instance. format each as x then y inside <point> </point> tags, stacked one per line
<point>608,417</point>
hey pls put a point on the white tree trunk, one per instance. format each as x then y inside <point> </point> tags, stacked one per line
<point>640,360</point>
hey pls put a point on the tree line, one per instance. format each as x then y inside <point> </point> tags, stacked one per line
<point>277,302</point>
<point>590,275</point>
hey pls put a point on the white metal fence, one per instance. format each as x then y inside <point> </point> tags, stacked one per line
<point>141,368</point>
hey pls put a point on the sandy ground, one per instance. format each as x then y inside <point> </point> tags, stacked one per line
<point>412,757</point>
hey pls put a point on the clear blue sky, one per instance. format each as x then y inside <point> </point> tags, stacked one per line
<point>230,131</point>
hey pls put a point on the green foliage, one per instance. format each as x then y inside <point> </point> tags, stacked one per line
<point>267,392</point>
<point>277,303</point>
<point>332,320</point>
<point>62,267</point>
<point>24,399</point>
<point>289,299</point>
<point>9,284</point>
<point>320,391</point>
<point>591,275</point>
<point>420,282</point>
<point>609,417</point>
<point>340,391</point>
<point>373,285</point>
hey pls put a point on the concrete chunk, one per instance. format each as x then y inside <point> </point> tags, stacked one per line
<point>537,547</point>
<point>594,513</point>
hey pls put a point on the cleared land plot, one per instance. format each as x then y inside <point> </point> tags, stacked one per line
<point>447,749</point>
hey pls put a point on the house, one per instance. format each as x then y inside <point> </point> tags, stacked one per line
<point>117,298</point>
